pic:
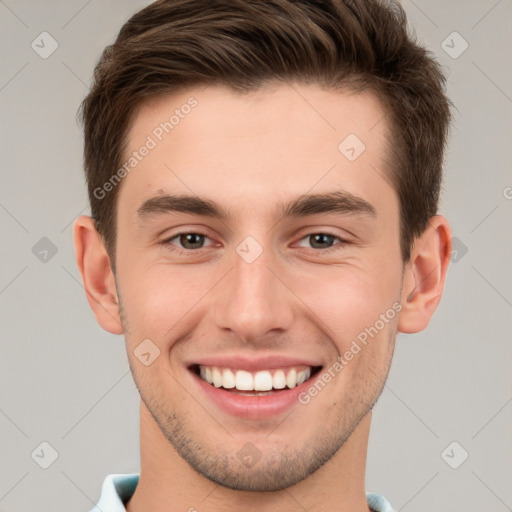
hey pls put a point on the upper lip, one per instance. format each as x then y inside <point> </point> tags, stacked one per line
<point>254,363</point>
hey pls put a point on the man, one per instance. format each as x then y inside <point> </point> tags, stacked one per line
<point>264,179</point>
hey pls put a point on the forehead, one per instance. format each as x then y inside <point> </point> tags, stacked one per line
<point>304,109</point>
<point>253,148</point>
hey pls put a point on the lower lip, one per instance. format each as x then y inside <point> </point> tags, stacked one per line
<point>252,407</point>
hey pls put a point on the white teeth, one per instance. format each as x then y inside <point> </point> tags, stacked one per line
<point>244,381</point>
<point>228,379</point>
<point>217,377</point>
<point>291,378</point>
<point>279,380</point>
<point>303,376</point>
<point>260,381</point>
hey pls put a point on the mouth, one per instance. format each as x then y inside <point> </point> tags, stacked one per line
<point>253,392</point>
<point>252,386</point>
<point>255,383</point>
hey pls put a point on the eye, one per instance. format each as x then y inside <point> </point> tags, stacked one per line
<point>322,241</point>
<point>188,241</point>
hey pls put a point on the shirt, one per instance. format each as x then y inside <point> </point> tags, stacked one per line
<point>119,488</point>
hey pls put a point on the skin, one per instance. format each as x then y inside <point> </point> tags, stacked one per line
<point>249,153</point>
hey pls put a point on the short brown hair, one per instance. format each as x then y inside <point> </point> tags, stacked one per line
<point>353,44</point>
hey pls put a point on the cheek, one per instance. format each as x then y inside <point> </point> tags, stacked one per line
<point>347,300</point>
<point>156,298</point>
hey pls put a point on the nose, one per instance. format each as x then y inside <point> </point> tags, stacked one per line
<point>254,298</point>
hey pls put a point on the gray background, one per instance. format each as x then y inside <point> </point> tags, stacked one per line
<point>65,381</point>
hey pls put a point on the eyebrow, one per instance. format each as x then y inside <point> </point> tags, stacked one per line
<point>309,204</point>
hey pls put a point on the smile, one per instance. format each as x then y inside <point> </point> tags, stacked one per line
<point>263,380</point>
<point>253,390</point>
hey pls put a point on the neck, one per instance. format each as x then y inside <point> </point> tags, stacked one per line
<point>168,483</point>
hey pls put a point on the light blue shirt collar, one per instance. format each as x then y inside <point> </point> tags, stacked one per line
<point>117,489</point>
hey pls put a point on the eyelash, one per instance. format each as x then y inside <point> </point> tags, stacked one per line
<point>167,242</point>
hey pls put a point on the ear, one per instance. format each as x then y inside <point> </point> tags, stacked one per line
<point>99,283</point>
<point>425,275</point>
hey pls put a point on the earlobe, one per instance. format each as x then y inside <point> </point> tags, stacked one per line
<point>99,283</point>
<point>425,276</point>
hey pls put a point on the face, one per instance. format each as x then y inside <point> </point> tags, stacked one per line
<point>259,273</point>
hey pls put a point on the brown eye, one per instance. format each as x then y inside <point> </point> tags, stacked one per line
<point>322,241</point>
<point>188,241</point>
<point>191,240</point>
